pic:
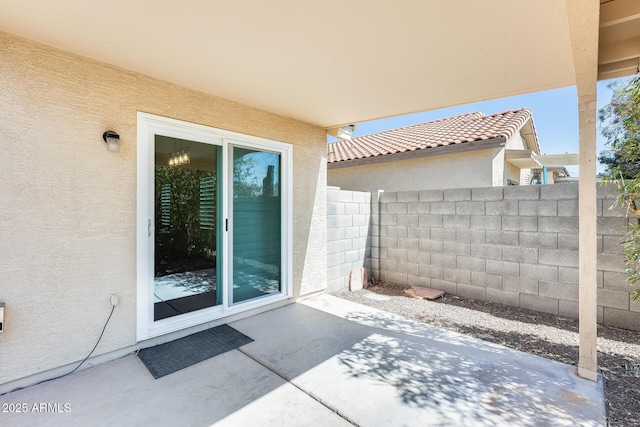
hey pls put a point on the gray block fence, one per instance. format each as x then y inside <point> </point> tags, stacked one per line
<point>512,245</point>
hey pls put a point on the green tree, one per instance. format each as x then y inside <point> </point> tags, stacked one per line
<point>621,126</point>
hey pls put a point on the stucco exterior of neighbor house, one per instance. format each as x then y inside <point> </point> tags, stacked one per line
<point>211,204</point>
<point>469,150</point>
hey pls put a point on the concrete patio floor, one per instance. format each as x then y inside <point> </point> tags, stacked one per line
<point>325,361</point>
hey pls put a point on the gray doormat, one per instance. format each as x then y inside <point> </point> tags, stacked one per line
<point>170,357</point>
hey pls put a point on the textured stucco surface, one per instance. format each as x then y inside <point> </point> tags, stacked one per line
<point>68,207</point>
<point>458,170</point>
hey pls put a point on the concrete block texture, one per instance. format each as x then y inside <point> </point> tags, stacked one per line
<point>431,195</point>
<point>351,208</point>
<point>485,222</point>
<point>408,267</point>
<point>397,254</point>
<point>443,234</point>
<point>617,281</point>
<point>520,284</point>
<point>607,192</point>
<point>419,232</point>
<point>457,194</point>
<point>538,208</point>
<point>613,244</point>
<point>418,280</point>
<point>506,268</point>
<point>407,220</point>
<point>558,225</point>
<point>558,257</point>
<point>561,291</point>
<point>518,253</point>
<point>539,303</point>
<point>396,231</point>
<point>613,226</point>
<point>443,208</point>
<point>486,280</point>
<point>471,291</point>
<point>430,245</point>
<point>470,208</point>
<point>504,207</point>
<point>430,221</point>
<point>540,272</point>
<point>562,191</point>
<point>456,221</point>
<point>430,271</point>
<point>520,192</point>
<point>611,262</point>
<point>458,276</point>
<point>419,257</point>
<point>445,285</point>
<point>408,196</point>
<point>486,193</point>
<point>503,297</point>
<point>515,246</point>
<point>570,309</point>
<point>443,260</point>
<point>457,248</point>
<point>568,207</point>
<point>519,223</point>
<point>538,240</point>
<point>335,208</point>
<point>614,299</point>
<point>470,236</point>
<point>498,237</point>
<point>569,242</point>
<point>388,197</point>
<point>483,250</point>
<point>418,208</point>
<point>621,318</point>
<point>471,263</point>
<point>396,208</point>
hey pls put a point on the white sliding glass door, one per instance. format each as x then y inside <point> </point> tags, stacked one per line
<point>214,224</point>
<point>256,219</point>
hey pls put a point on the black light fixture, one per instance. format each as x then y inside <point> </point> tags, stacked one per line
<point>113,141</point>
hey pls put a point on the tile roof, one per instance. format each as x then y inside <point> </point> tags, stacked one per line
<point>460,130</point>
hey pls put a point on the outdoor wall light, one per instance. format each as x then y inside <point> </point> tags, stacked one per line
<point>113,141</point>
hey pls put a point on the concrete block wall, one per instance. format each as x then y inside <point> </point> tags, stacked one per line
<point>512,245</point>
<point>349,234</point>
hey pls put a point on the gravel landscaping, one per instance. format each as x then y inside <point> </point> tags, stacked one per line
<point>541,334</point>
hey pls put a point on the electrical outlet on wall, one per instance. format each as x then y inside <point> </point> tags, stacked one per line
<point>114,300</point>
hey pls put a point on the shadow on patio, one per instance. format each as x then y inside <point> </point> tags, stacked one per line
<point>326,361</point>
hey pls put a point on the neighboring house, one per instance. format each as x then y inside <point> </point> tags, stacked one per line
<point>469,150</point>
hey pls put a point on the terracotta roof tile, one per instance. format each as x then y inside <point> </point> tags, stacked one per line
<point>443,132</point>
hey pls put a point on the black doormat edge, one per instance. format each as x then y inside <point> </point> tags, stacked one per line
<point>172,356</point>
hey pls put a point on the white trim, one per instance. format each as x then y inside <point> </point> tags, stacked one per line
<point>148,126</point>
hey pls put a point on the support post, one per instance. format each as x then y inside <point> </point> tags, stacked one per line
<point>584,17</point>
<point>587,239</point>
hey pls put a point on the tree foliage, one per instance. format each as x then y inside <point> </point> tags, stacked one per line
<point>621,126</point>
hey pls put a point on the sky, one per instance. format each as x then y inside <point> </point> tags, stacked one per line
<point>555,116</point>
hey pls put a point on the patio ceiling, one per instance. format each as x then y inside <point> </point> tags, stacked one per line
<point>333,62</point>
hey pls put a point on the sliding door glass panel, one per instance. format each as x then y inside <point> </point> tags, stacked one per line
<point>256,238</point>
<point>187,227</point>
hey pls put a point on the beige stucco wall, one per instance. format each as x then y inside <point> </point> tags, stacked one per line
<point>68,207</point>
<point>461,170</point>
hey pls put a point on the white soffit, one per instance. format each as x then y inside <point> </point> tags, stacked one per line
<point>324,62</point>
<point>523,159</point>
<point>554,160</point>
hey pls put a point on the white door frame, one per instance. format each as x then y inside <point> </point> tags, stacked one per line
<point>150,125</point>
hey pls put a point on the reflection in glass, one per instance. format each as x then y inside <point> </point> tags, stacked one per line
<point>256,224</point>
<point>186,227</point>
